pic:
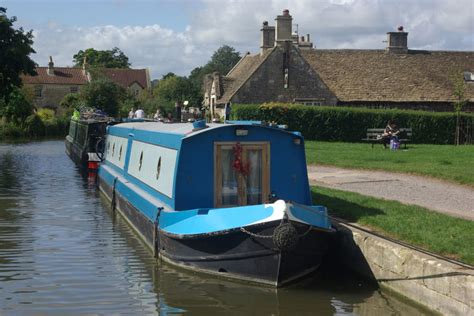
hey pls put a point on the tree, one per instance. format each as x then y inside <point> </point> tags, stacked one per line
<point>18,107</point>
<point>168,75</point>
<point>103,94</point>
<point>114,58</point>
<point>222,61</point>
<point>459,89</point>
<point>177,89</point>
<point>15,48</point>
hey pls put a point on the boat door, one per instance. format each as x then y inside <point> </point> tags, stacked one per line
<point>241,173</point>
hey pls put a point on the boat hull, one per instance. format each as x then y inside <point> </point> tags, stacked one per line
<point>248,254</point>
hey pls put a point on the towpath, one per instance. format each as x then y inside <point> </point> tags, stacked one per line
<point>437,195</point>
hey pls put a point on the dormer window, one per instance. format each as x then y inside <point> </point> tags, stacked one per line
<point>469,76</point>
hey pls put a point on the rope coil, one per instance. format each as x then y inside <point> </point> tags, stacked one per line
<point>285,236</point>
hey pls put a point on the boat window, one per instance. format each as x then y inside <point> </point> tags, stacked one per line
<point>113,150</point>
<point>120,153</point>
<point>140,162</point>
<point>158,168</point>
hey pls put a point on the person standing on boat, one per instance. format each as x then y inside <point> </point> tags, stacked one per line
<point>228,108</point>
<point>177,106</point>
<point>139,114</point>
<point>131,114</point>
<point>157,115</point>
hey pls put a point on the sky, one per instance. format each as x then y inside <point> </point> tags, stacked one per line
<point>177,36</point>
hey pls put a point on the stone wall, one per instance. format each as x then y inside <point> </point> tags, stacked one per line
<point>267,83</point>
<point>52,94</point>
<point>440,285</point>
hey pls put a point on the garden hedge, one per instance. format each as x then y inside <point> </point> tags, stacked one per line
<point>331,123</point>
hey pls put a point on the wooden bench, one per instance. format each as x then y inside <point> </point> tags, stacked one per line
<point>374,136</point>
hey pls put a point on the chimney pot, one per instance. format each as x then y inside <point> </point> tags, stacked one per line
<point>267,37</point>
<point>50,70</point>
<point>283,30</point>
<point>397,41</point>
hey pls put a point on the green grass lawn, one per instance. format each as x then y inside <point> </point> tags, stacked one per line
<point>439,233</point>
<point>453,163</point>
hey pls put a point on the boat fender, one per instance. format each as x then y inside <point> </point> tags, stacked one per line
<point>156,233</point>
<point>285,236</point>
<point>113,203</point>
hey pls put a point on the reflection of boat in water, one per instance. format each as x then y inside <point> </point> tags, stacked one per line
<point>225,199</point>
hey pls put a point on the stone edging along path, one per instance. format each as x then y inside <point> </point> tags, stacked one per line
<point>438,284</point>
<point>437,195</point>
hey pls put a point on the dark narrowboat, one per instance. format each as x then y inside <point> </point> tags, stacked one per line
<point>85,140</point>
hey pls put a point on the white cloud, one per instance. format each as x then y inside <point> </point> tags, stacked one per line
<point>432,24</point>
<point>159,49</point>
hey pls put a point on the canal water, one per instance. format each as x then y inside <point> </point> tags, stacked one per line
<point>63,252</point>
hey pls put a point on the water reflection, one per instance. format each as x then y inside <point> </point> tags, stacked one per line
<point>63,252</point>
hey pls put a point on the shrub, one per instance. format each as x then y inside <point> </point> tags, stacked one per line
<point>46,114</point>
<point>34,125</point>
<point>330,123</point>
<point>10,130</point>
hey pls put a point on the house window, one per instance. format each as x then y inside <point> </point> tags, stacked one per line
<point>314,102</point>
<point>38,91</point>
<point>469,76</point>
<point>136,92</point>
<point>74,89</point>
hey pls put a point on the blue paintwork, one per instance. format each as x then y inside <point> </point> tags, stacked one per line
<point>316,216</point>
<point>191,210</point>
<point>202,221</point>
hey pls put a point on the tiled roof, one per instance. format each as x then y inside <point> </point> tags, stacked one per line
<point>374,75</point>
<point>126,77</point>
<point>237,77</point>
<point>62,75</point>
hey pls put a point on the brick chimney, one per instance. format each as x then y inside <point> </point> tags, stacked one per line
<point>50,70</point>
<point>283,27</point>
<point>397,42</point>
<point>268,37</point>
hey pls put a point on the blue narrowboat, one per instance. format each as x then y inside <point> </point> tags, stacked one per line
<point>226,199</point>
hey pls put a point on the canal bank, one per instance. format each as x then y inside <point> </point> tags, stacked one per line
<point>437,283</point>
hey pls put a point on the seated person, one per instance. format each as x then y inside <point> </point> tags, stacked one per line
<point>391,131</point>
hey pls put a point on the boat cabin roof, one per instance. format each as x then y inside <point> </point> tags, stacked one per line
<point>187,129</point>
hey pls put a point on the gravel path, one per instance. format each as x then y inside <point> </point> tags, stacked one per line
<point>437,195</point>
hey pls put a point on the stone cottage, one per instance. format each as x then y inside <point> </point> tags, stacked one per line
<point>289,69</point>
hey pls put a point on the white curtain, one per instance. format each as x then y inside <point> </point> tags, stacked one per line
<point>254,178</point>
